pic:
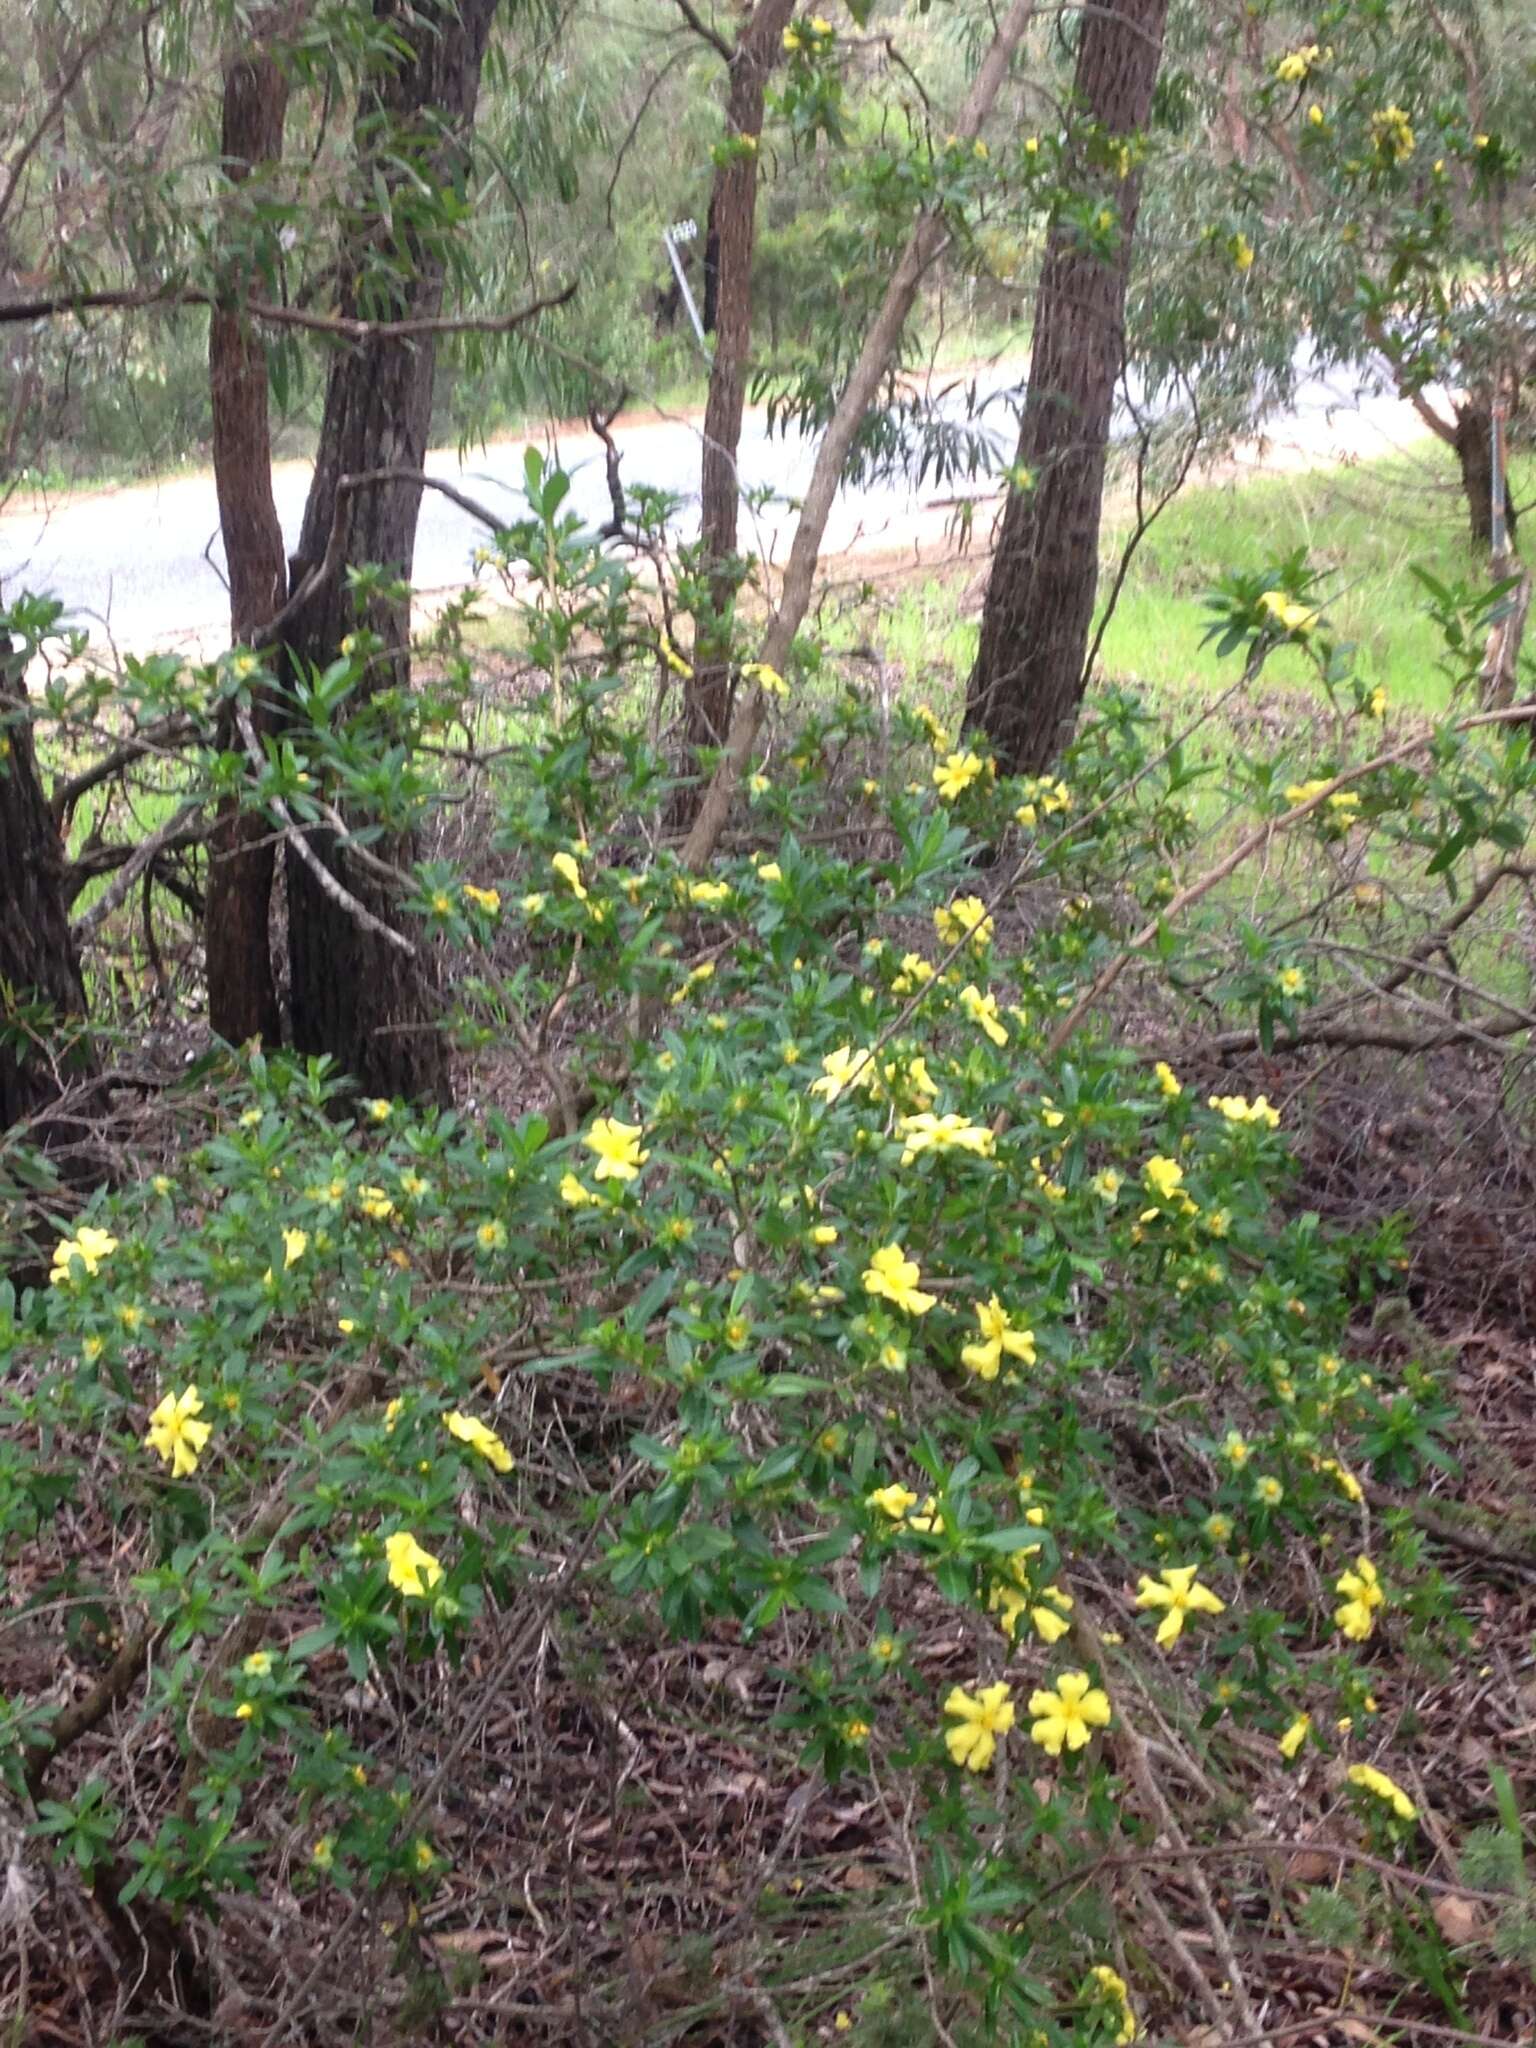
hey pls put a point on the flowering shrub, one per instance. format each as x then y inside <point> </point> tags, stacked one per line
<point>875,1296</point>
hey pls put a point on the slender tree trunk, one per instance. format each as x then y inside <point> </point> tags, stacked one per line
<point>1474,455</point>
<point>1028,679</point>
<point>732,239</point>
<point>354,996</point>
<point>38,964</point>
<point>242,993</point>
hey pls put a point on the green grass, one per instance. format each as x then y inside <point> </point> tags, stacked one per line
<point>1365,527</point>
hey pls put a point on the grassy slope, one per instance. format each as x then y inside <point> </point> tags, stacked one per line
<point>1365,526</point>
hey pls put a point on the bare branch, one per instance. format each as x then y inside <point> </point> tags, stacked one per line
<point>19,311</point>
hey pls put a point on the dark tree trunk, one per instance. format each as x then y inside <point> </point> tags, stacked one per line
<point>242,993</point>
<point>353,995</point>
<point>1028,679</point>
<point>38,964</point>
<point>728,273</point>
<point>1474,453</point>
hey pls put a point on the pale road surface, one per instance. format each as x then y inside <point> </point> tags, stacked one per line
<point>142,565</point>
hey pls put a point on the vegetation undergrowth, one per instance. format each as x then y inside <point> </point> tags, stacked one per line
<point>961,1377</point>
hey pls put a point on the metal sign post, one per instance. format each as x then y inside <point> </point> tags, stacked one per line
<point>684,231</point>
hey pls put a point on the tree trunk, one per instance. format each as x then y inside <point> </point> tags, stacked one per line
<point>353,995</point>
<point>1474,453</point>
<point>732,239</point>
<point>38,964</point>
<point>1028,679</point>
<point>242,993</point>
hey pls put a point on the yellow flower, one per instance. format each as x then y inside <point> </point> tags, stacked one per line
<point>770,871</point>
<point>1298,64</point>
<point>245,1711</point>
<point>1107,1185</point>
<point>1235,1450</point>
<point>823,1233</point>
<point>295,1245</point>
<point>767,679</point>
<point>1291,981</point>
<point>893,1500</point>
<point>488,900</point>
<point>670,655</point>
<point>1237,1109</point>
<point>1109,1986</point>
<point>708,895</point>
<point>1242,252</point>
<point>921,1083</point>
<point>965,917</point>
<point>378,1109</point>
<point>617,1146</point>
<point>938,736</point>
<point>176,1435</point>
<point>1179,1594</point>
<point>1066,1717</point>
<point>491,1235</point>
<point>88,1245</point>
<point>1050,1622</point>
<point>1162,1176</point>
<point>375,1203</point>
<point>980,1719</point>
<point>1349,1485</point>
<point>323,1854</point>
<point>1287,614</point>
<point>1269,1491</point>
<point>412,1570</point>
<point>925,1132</point>
<point>1369,1779</point>
<point>424,1855</point>
<point>573,1192</point>
<point>1167,1080</point>
<point>258,1664</point>
<point>893,1276</point>
<point>998,1336</point>
<point>474,1433</point>
<point>955,774</point>
<point>564,865</point>
<point>1363,1594</point>
<point>1295,1736</point>
<point>1315,115</point>
<point>982,1011</point>
<point>392,1414</point>
<point>1392,134</point>
<point>844,1069</point>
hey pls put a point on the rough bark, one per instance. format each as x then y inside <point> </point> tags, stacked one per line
<point>38,963</point>
<point>1474,454</point>
<point>1028,679</point>
<point>242,992</point>
<point>352,995</point>
<point>728,272</point>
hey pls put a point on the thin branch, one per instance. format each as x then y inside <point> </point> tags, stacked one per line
<point>330,886</point>
<point>132,868</point>
<point>18,312</point>
<point>1261,837</point>
<point>700,27</point>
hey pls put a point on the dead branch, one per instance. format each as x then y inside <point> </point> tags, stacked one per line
<point>20,312</point>
<point>134,866</point>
